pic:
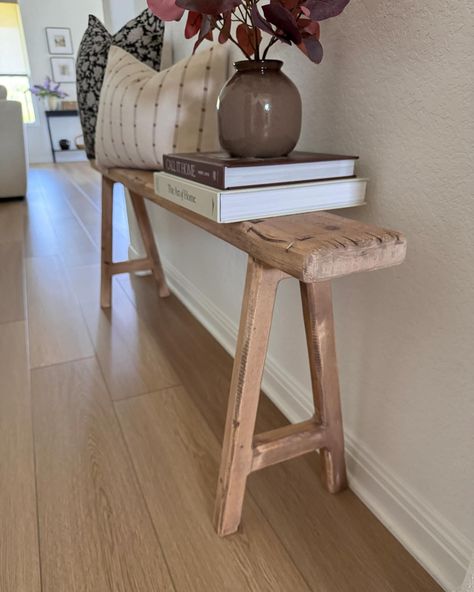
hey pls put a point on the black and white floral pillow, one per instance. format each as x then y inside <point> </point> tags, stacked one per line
<point>142,37</point>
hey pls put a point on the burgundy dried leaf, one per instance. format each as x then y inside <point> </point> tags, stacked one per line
<point>283,19</point>
<point>166,10</point>
<point>319,10</point>
<point>260,22</point>
<point>193,24</point>
<point>312,47</point>
<point>311,27</point>
<point>211,7</point>
<point>290,4</point>
<point>245,39</point>
<point>207,25</point>
<point>224,34</point>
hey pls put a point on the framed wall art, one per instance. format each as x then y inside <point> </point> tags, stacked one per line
<point>63,69</point>
<point>59,40</point>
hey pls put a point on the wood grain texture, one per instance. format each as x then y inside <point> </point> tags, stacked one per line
<point>84,282</point>
<point>95,531</point>
<point>237,452</point>
<point>336,542</point>
<point>19,553</point>
<point>311,247</point>
<point>288,442</point>
<point>63,216</point>
<point>176,457</point>
<point>86,179</point>
<point>40,238</point>
<point>131,266</point>
<point>54,190</point>
<point>63,197</point>
<point>68,211</point>
<point>148,239</point>
<point>108,267</point>
<point>320,337</point>
<point>12,280</point>
<point>106,254</point>
<point>56,328</point>
<point>75,246</point>
<point>182,337</point>
<point>131,360</point>
<point>12,221</point>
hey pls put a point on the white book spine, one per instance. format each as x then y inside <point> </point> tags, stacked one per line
<point>200,199</point>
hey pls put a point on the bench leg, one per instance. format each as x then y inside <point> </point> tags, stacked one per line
<point>149,243</point>
<point>108,267</point>
<point>237,452</point>
<point>106,243</point>
<point>319,326</point>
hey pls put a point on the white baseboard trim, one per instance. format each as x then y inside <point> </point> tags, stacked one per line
<point>442,550</point>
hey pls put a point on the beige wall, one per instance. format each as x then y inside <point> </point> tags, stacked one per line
<point>396,86</point>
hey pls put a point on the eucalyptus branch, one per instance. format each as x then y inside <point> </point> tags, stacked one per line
<point>272,41</point>
<point>249,5</point>
<point>238,19</point>
<point>242,15</point>
<point>257,45</point>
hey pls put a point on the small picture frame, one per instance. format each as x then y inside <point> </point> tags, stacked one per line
<point>63,69</point>
<point>69,105</point>
<point>59,40</point>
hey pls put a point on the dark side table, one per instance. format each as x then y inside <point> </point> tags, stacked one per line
<point>59,113</point>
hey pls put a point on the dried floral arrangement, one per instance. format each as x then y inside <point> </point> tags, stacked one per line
<point>242,22</point>
<point>48,89</point>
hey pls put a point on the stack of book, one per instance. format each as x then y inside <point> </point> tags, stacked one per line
<point>228,189</point>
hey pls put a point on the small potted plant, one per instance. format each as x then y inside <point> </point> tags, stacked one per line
<point>49,92</point>
<point>259,109</point>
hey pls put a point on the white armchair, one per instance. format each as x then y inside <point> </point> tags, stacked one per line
<point>13,161</point>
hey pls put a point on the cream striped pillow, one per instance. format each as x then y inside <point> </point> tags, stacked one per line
<point>144,114</point>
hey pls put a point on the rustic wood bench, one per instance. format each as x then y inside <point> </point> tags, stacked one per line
<point>313,248</point>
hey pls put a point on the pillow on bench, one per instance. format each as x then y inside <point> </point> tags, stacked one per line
<point>144,114</point>
<point>142,37</point>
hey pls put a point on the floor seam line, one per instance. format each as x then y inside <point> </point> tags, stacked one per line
<point>34,368</point>
<point>137,480</point>
<point>148,393</point>
<point>32,419</point>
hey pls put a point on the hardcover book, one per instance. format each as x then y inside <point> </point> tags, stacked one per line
<point>219,170</point>
<point>236,205</point>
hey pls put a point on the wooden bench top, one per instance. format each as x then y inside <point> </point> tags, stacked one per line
<point>310,247</point>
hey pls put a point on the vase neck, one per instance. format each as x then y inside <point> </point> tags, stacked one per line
<point>258,65</point>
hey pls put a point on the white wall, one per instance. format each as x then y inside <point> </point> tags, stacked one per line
<point>118,12</point>
<point>396,86</point>
<point>36,17</point>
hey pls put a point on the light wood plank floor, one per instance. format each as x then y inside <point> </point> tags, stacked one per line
<point>110,431</point>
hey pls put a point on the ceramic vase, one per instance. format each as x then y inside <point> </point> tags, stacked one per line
<point>52,103</point>
<point>259,111</point>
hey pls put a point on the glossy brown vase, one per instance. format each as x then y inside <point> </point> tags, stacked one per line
<point>259,111</point>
